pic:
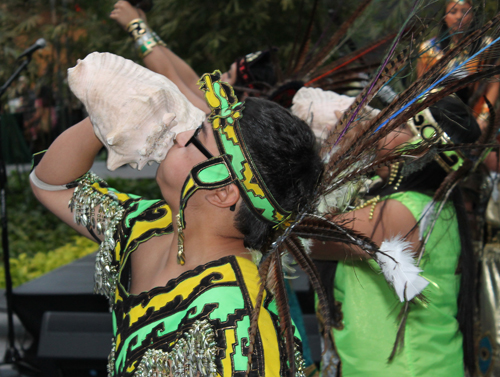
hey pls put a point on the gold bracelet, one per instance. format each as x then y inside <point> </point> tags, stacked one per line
<point>143,37</point>
<point>158,40</point>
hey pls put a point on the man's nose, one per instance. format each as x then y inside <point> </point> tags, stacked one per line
<point>183,137</point>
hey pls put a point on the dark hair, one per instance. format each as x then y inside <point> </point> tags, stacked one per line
<point>284,149</point>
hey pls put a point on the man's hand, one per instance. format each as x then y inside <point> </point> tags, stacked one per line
<point>124,12</point>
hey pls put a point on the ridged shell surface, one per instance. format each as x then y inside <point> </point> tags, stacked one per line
<point>317,108</point>
<point>136,113</point>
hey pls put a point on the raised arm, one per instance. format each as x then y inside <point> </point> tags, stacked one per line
<point>163,61</point>
<point>69,157</point>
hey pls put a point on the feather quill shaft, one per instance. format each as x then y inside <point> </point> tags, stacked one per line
<point>281,298</point>
<point>263,272</point>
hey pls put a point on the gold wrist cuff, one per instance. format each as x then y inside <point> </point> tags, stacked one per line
<point>144,38</point>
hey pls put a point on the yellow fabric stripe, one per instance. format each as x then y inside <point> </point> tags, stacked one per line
<point>189,184</point>
<point>122,197</point>
<point>248,174</point>
<point>118,250</point>
<point>231,135</point>
<point>184,288</point>
<point>132,366</point>
<point>266,327</point>
<point>142,227</point>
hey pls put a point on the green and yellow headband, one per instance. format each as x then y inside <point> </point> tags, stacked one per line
<point>424,127</point>
<point>234,164</point>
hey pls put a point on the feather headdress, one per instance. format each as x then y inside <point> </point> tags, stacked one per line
<point>349,153</point>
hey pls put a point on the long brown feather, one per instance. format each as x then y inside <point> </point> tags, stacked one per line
<point>334,67</point>
<point>414,89</point>
<point>254,322</point>
<point>391,68</point>
<point>395,156</point>
<point>292,58</point>
<point>285,319</point>
<point>400,335</point>
<point>363,144</point>
<point>429,100</point>
<point>319,228</point>
<point>301,55</point>
<point>295,247</point>
<point>325,52</point>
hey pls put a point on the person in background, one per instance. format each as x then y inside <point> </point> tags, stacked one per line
<point>457,23</point>
<point>437,337</point>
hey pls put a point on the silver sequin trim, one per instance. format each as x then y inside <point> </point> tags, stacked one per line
<point>300,364</point>
<point>193,355</point>
<point>84,205</point>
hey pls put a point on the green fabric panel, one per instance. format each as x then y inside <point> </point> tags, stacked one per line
<point>228,298</point>
<point>224,104</point>
<point>240,361</point>
<point>433,343</point>
<point>142,206</point>
<point>214,173</point>
<point>237,162</point>
<point>113,317</point>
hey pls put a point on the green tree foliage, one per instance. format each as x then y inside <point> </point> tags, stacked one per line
<point>208,35</point>
<point>25,267</point>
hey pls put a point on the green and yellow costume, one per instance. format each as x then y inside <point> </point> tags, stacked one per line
<point>370,308</point>
<point>196,323</point>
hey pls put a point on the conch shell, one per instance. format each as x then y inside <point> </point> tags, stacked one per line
<point>136,113</point>
<point>317,108</point>
<point>321,109</point>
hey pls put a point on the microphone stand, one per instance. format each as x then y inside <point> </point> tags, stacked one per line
<point>12,355</point>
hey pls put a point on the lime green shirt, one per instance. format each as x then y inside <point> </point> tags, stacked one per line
<point>432,340</point>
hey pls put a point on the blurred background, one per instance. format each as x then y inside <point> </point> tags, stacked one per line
<point>208,35</point>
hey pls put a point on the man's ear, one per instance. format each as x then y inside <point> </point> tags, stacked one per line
<point>224,197</point>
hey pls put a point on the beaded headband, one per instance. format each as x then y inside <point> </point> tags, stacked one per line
<point>234,164</point>
<point>424,127</point>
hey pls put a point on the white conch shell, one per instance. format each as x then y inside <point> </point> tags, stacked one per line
<point>317,108</point>
<point>136,113</point>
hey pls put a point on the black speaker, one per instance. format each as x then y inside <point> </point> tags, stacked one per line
<point>74,344</point>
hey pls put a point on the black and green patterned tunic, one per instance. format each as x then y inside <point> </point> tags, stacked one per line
<point>196,323</point>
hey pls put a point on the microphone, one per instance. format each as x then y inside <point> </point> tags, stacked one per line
<point>40,43</point>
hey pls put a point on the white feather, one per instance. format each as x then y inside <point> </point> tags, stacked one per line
<point>399,269</point>
<point>307,245</point>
